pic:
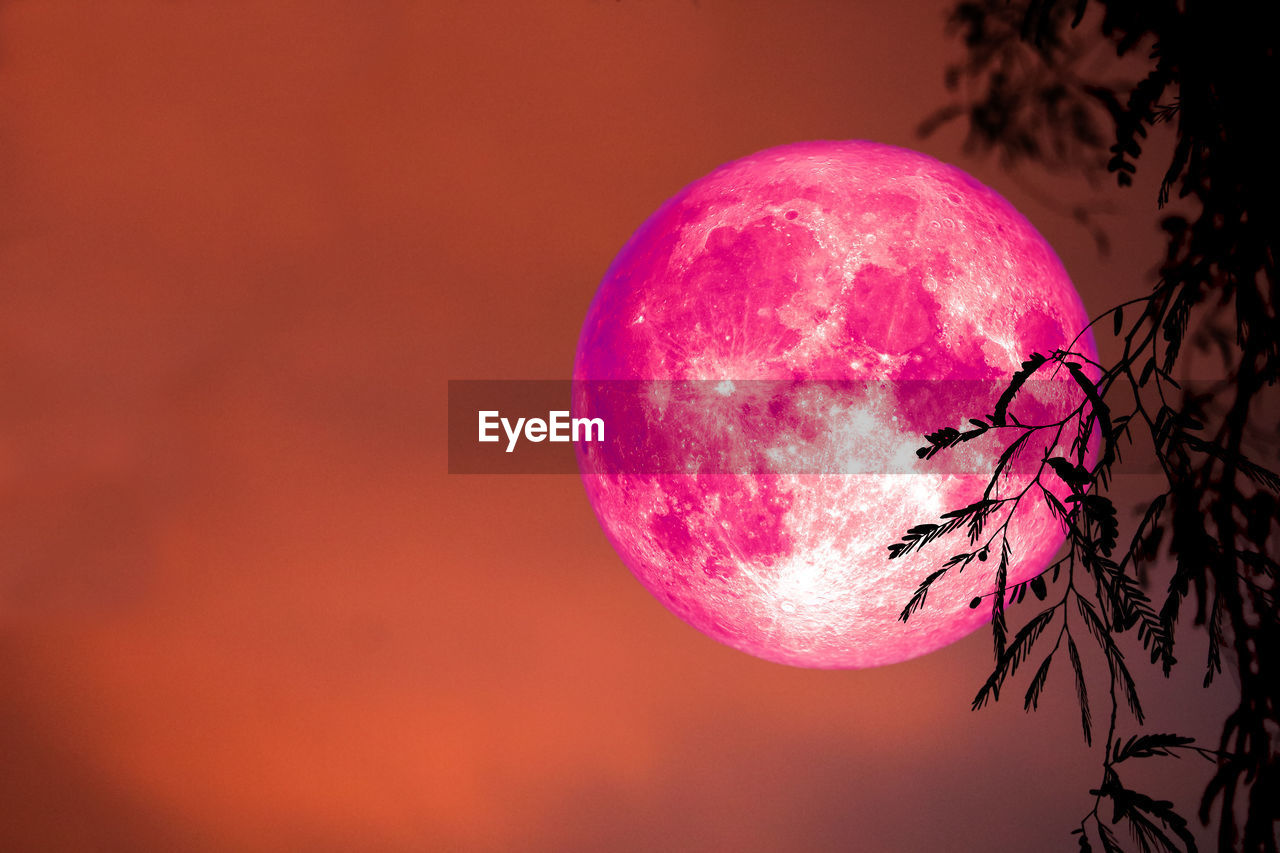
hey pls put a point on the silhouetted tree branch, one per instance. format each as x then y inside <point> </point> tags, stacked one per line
<point>1026,93</point>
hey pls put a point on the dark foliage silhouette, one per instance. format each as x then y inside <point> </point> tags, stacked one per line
<point>1204,549</point>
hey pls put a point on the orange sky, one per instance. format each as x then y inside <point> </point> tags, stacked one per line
<point>243,246</point>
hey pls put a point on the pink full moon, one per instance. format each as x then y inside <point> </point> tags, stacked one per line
<point>795,322</point>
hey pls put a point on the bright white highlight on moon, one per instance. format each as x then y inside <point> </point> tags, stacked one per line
<point>847,262</point>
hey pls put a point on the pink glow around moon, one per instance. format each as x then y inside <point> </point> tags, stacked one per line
<point>845,261</point>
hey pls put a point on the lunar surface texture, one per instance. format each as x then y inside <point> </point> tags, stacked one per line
<point>787,329</point>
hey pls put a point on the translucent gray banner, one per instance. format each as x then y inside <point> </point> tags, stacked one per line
<point>783,427</point>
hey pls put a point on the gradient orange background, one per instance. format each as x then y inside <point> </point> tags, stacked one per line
<point>243,246</point>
